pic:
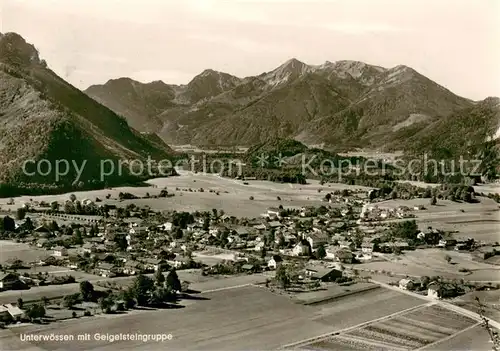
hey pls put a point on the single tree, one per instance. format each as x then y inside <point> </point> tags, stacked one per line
<point>159,277</point>
<point>28,224</point>
<point>36,311</point>
<point>447,258</point>
<point>433,201</point>
<point>263,252</point>
<point>142,288</point>
<point>77,237</point>
<point>173,281</point>
<point>20,303</point>
<point>53,226</point>
<point>54,206</point>
<point>9,225</point>
<point>320,252</point>
<point>86,290</point>
<point>105,304</point>
<point>70,300</point>
<point>282,276</point>
<point>21,213</point>
<point>72,197</point>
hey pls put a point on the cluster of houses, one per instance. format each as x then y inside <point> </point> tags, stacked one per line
<point>126,246</point>
<point>435,289</point>
<point>112,246</point>
<point>373,212</point>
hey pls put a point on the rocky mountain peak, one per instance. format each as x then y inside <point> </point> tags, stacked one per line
<point>14,50</point>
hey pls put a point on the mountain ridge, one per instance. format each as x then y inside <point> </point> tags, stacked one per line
<point>342,103</point>
<point>43,117</point>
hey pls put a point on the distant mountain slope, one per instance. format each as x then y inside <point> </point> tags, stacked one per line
<point>345,104</point>
<point>139,102</point>
<point>463,133</point>
<point>44,117</point>
<point>400,99</point>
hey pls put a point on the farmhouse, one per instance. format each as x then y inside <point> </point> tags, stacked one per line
<point>439,290</point>
<point>16,313</point>
<point>131,267</point>
<point>4,313</point>
<point>41,230</point>
<point>42,242</point>
<point>242,232</point>
<point>273,212</point>
<point>323,273</point>
<point>105,269</point>
<point>367,247</point>
<point>447,242</point>
<point>60,251</point>
<point>88,247</point>
<point>249,268</point>
<point>274,224</point>
<point>340,254</point>
<point>346,244</point>
<point>317,239</point>
<point>179,261</point>
<point>260,227</point>
<point>274,262</point>
<point>154,264</point>
<point>407,284</point>
<point>301,249</point>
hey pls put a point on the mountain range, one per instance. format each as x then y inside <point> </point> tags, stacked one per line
<point>42,117</point>
<point>342,104</point>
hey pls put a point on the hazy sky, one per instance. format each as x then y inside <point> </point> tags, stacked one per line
<point>453,42</point>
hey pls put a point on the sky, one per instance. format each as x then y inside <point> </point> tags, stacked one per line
<point>453,42</point>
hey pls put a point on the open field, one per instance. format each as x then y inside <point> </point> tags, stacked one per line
<point>24,252</point>
<point>489,299</point>
<point>475,338</point>
<point>248,318</point>
<point>375,155</point>
<point>36,293</point>
<point>235,202</point>
<point>332,291</point>
<point>492,188</point>
<point>210,259</point>
<point>408,331</point>
<point>416,271</point>
<point>432,262</point>
<point>59,271</point>
<point>197,149</point>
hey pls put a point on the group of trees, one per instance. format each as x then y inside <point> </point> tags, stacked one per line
<point>182,219</point>
<point>450,191</point>
<point>35,312</point>
<point>7,224</point>
<point>144,291</point>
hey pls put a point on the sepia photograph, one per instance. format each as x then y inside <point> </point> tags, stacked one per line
<point>250,175</point>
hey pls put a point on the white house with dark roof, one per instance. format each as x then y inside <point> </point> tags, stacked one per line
<point>274,262</point>
<point>60,251</point>
<point>273,212</point>
<point>317,239</point>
